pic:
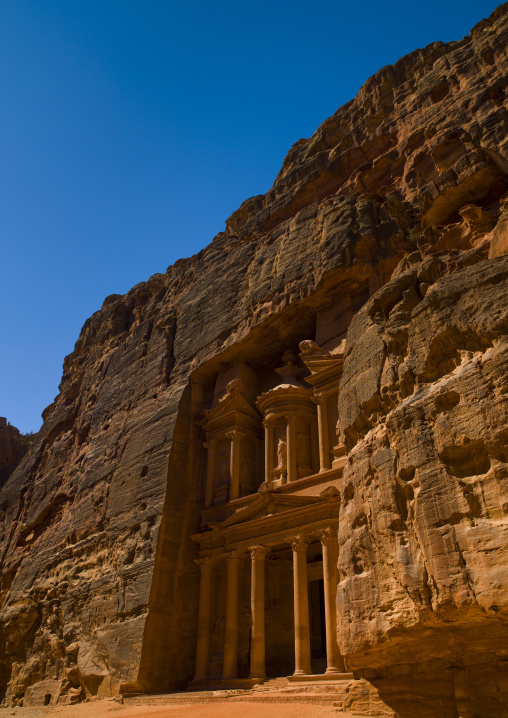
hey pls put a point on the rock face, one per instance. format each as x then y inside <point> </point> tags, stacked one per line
<point>13,446</point>
<point>384,237</point>
<point>423,532</point>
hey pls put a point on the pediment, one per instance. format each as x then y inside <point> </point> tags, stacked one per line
<point>230,406</point>
<point>269,504</point>
<point>318,361</point>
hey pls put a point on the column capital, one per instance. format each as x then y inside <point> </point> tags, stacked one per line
<point>328,536</point>
<point>205,561</point>
<point>235,434</point>
<point>210,443</point>
<point>320,398</point>
<point>299,543</point>
<point>258,551</point>
<point>235,556</point>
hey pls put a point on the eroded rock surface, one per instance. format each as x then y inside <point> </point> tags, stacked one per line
<point>13,446</point>
<point>423,532</point>
<point>385,232</point>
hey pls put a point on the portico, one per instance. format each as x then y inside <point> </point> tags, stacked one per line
<point>275,538</point>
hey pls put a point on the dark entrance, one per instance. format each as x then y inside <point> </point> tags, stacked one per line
<point>317,625</point>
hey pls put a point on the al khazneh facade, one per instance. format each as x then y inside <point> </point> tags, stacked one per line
<point>268,547</point>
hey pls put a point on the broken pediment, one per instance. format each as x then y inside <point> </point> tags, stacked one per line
<point>232,409</point>
<point>325,368</point>
<point>316,359</point>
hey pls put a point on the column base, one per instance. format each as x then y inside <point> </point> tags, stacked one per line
<point>257,679</point>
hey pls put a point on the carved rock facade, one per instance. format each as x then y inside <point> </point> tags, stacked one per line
<point>375,272</point>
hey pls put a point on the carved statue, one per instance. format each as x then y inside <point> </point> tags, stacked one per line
<point>224,475</point>
<point>223,482</point>
<point>282,456</point>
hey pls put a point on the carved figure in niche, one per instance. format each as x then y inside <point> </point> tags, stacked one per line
<point>304,450</point>
<point>224,475</point>
<point>282,454</point>
<point>221,490</point>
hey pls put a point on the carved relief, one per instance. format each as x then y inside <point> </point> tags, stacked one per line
<point>331,492</point>
<point>222,482</point>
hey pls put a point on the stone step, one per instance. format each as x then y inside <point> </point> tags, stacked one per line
<point>244,696</point>
<point>271,684</point>
<point>274,697</point>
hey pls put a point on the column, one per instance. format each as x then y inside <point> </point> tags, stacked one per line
<point>301,599</point>
<point>257,605</point>
<point>291,447</point>
<point>258,464</point>
<point>230,667</point>
<point>210,470</point>
<point>234,458</point>
<point>334,661</point>
<point>204,619</point>
<point>269,437</point>
<point>324,441</point>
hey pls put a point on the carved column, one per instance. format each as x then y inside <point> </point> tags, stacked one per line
<point>259,478</point>
<point>324,441</point>
<point>334,661</point>
<point>314,433</point>
<point>257,604</point>
<point>301,599</point>
<point>235,436</point>
<point>291,447</point>
<point>230,667</point>
<point>210,470</point>
<point>269,441</point>
<point>204,618</point>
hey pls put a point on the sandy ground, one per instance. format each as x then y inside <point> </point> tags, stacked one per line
<point>109,709</point>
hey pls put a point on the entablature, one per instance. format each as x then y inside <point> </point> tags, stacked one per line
<point>269,518</point>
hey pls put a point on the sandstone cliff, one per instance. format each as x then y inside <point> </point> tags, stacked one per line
<point>13,446</point>
<point>386,231</point>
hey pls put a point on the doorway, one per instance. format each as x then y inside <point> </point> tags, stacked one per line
<point>317,626</point>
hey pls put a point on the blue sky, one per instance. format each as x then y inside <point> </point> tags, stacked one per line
<point>131,129</point>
